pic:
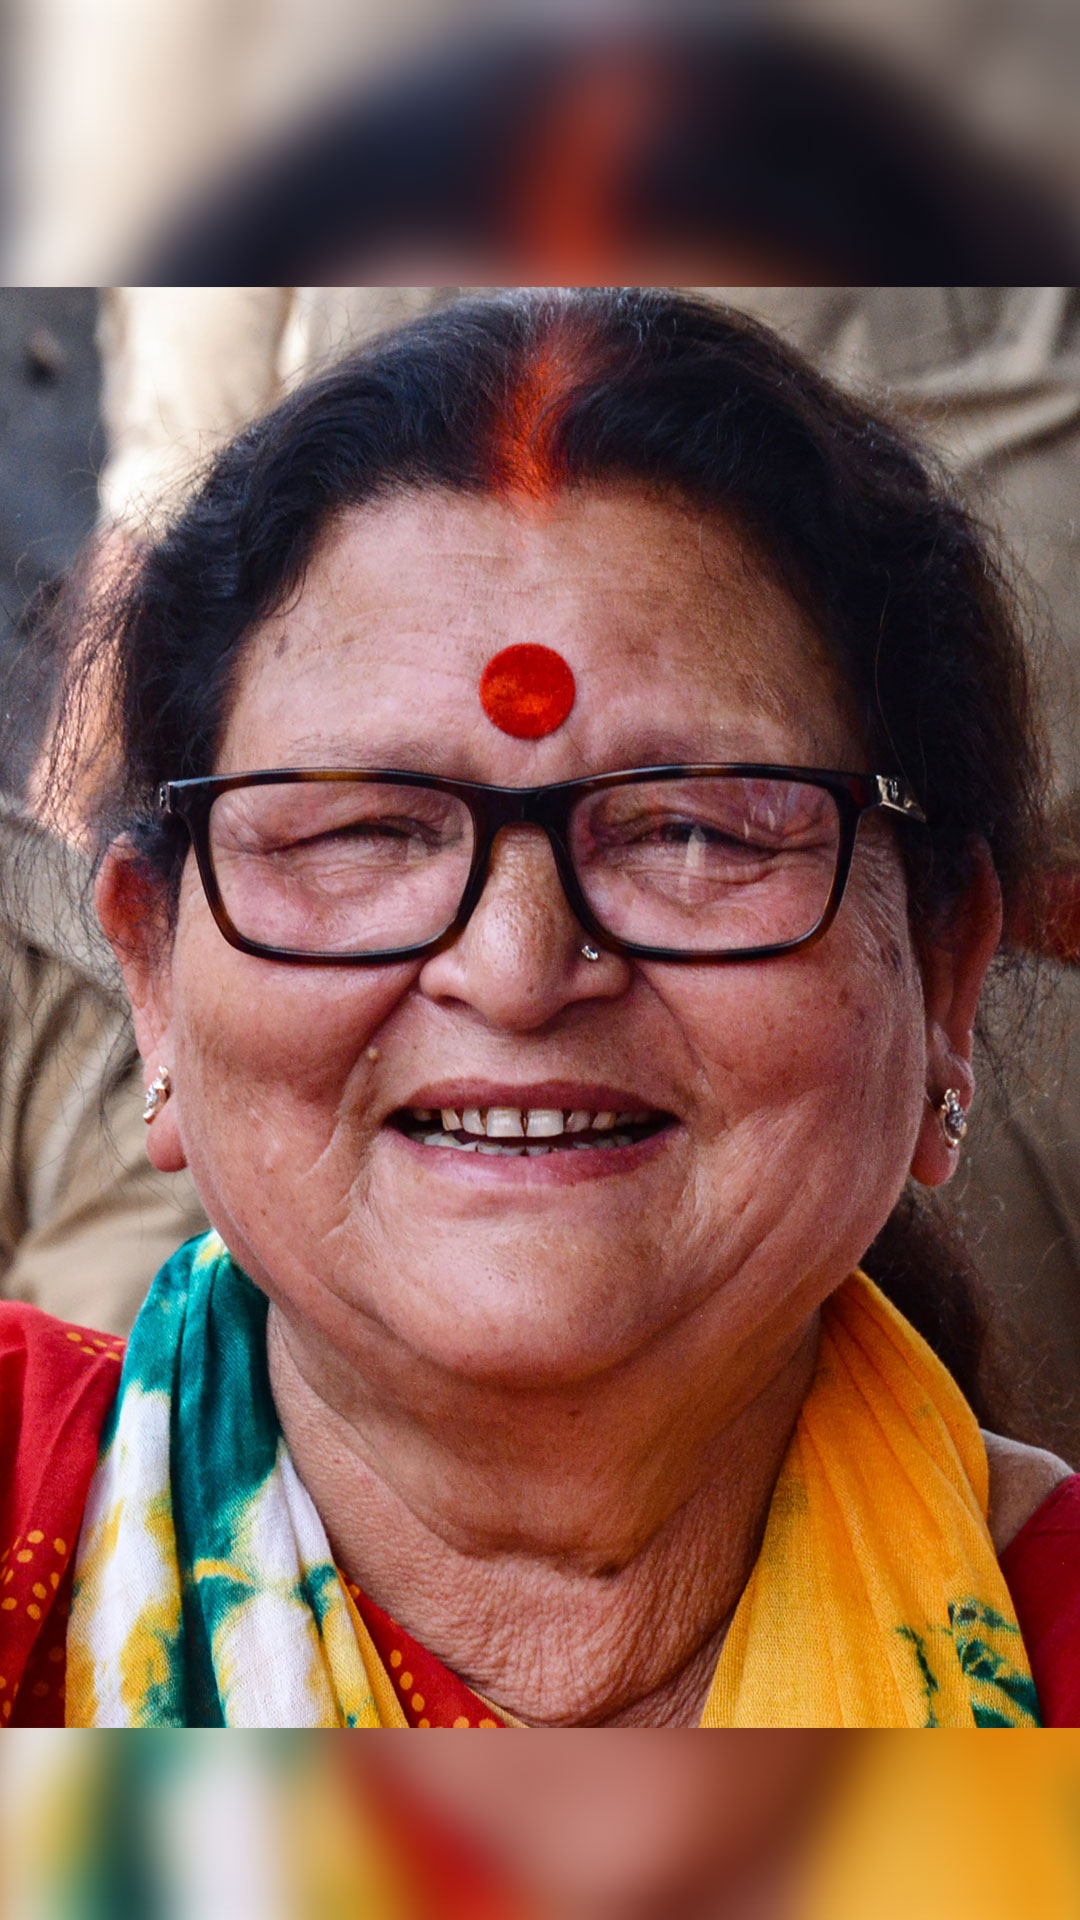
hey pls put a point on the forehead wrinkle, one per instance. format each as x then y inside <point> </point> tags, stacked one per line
<point>734,577</point>
<point>605,730</point>
<point>738,636</point>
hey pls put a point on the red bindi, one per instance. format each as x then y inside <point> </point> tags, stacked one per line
<point>527,691</point>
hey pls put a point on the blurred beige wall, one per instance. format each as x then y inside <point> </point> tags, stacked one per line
<point>121,108</point>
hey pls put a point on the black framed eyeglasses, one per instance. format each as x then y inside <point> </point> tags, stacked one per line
<point>359,867</point>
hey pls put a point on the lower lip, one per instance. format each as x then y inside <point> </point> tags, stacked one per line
<point>562,1167</point>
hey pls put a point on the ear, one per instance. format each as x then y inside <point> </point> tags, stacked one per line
<point>130,904</point>
<point>954,962</point>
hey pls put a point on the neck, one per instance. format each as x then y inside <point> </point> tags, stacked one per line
<point>574,1554</point>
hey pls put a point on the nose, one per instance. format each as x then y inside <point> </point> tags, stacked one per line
<point>518,963</point>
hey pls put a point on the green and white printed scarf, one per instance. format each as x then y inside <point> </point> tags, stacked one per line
<point>206,1593</point>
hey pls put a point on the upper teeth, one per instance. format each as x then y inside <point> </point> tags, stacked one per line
<point>533,1123</point>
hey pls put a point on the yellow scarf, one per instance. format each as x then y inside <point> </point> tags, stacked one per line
<point>876,1599</point>
<point>206,1592</point>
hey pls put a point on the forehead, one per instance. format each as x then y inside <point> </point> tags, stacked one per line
<point>681,641</point>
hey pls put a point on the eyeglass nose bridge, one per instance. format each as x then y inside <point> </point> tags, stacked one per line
<point>503,807</point>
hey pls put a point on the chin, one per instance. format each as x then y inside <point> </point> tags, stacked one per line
<point>508,1332</point>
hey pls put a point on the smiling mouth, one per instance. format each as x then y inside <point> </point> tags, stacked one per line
<point>527,1131</point>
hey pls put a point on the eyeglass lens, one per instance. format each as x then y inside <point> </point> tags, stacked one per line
<point>716,862</point>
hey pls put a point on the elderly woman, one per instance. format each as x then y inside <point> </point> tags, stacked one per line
<point>574,760</point>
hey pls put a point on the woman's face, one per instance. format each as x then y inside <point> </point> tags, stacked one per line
<point>795,1086</point>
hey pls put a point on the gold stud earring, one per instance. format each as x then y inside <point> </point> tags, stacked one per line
<point>157,1093</point>
<point>953,1118</point>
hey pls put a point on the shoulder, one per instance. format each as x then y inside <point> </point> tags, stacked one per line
<point>1037,1535</point>
<point>1021,1478</point>
<point>42,1343</point>
<point>57,1385</point>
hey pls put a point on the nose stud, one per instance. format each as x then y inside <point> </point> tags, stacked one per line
<point>589,952</point>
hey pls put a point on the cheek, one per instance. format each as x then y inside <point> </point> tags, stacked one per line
<point>829,1042</point>
<point>272,1047</point>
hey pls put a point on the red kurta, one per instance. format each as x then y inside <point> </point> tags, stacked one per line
<point>1042,1568</point>
<point>57,1383</point>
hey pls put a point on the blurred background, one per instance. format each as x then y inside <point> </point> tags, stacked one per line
<point>475,138</point>
<point>53,446</point>
<point>652,1825</point>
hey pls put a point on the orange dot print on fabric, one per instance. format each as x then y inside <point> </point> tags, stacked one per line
<point>527,691</point>
<point>463,1722</point>
<point>60,1546</point>
<point>36,1537</point>
<point>395,1658</point>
